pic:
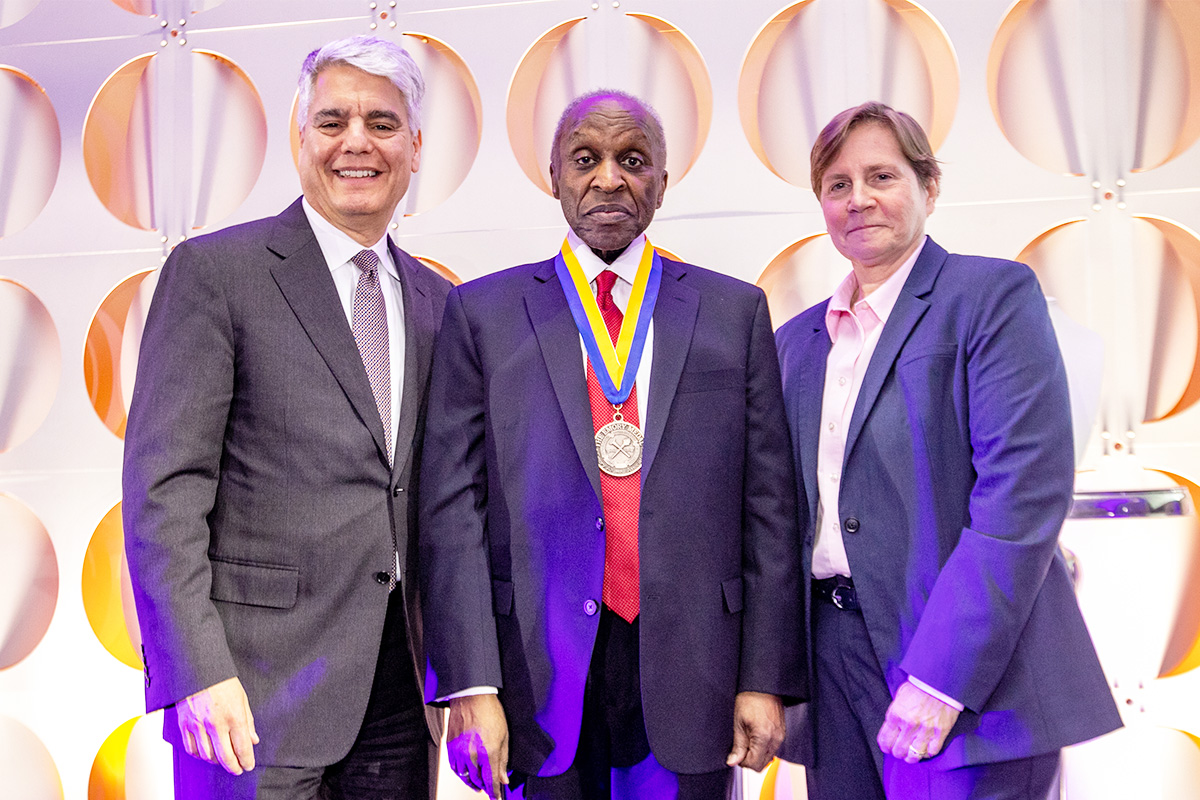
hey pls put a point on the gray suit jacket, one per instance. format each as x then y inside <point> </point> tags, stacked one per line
<point>259,507</point>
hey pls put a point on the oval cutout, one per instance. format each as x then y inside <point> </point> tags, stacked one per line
<point>800,71</point>
<point>28,581</point>
<point>30,363</point>
<point>1042,84</point>
<point>30,149</point>
<point>102,350</point>
<point>665,69</point>
<point>128,156</point>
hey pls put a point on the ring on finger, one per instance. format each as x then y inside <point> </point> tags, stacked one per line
<point>915,753</point>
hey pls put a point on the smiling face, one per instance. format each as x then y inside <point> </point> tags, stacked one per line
<point>875,206</point>
<point>357,153</point>
<point>607,174</point>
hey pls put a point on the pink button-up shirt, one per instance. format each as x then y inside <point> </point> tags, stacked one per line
<point>854,327</point>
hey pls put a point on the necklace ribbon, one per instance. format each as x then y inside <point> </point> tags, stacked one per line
<point>616,366</point>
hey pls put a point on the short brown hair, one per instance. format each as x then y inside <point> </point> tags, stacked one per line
<point>914,144</point>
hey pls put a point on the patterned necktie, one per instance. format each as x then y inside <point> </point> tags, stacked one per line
<point>620,497</point>
<point>371,336</point>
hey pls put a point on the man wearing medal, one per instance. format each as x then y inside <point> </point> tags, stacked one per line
<point>609,552</point>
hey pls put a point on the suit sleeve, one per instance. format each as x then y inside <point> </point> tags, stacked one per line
<point>173,446</point>
<point>773,654</point>
<point>460,627</point>
<point>1018,417</point>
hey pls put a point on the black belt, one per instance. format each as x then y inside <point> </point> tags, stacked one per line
<point>838,590</point>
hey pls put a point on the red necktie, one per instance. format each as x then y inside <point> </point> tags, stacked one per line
<point>620,497</point>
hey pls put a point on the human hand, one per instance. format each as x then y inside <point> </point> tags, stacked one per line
<point>757,730</point>
<point>477,742</point>
<point>216,726</point>
<point>916,725</point>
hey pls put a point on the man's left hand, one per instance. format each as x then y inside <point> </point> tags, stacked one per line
<point>916,725</point>
<point>757,730</point>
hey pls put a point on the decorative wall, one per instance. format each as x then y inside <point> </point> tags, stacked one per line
<point>1067,133</point>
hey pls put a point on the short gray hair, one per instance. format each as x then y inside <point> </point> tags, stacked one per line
<point>373,56</point>
<point>654,126</point>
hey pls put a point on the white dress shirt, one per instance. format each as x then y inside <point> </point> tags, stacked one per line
<point>338,249</point>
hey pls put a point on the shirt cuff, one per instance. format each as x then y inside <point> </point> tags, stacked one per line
<point>469,692</point>
<point>932,692</point>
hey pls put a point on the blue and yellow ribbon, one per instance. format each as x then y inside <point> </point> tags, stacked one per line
<point>616,366</point>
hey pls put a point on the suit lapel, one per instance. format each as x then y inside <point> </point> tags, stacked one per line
<point>674,321</point>
<point>910,306</point>
<point>810,391</point>
<point>307,285</point>
<point>419,326</point>
<point>558,339</point>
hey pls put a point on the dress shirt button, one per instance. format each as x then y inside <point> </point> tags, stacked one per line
<point>396,492</point>
<point>841,381</point>
<point>851,524</point>
<point>382,578</point>
<point>831,426</point>
<point>590,608</point>
<point>599,527</point>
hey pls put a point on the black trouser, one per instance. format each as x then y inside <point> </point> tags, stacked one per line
<point>613,735</point>
<point>850,698</point>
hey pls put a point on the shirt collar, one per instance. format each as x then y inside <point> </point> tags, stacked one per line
<point>881,301</point>
<point>625,265</point>
<point>337,247</point>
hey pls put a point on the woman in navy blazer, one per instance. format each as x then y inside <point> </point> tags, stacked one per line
<point>951,623</point>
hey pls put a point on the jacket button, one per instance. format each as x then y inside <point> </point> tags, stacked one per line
<point>851,525</point>
<point>590,608</point>
<point>382,578</point>
<point>599,525</point>
<point>397,491</point>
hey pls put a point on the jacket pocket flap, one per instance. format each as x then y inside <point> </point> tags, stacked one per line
<point>502,597</point>
<point>267,585</point>
<point>732,589</point>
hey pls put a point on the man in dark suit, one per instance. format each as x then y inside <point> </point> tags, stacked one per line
<point>270,463</point>
<point>630,598</point>
<point>950,659</point>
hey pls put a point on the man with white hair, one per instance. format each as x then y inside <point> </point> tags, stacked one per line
<point>269,468</point>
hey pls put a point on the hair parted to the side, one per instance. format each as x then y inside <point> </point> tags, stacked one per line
<point>372,55</point>
<point>653,123</point>
<point>914,144</point>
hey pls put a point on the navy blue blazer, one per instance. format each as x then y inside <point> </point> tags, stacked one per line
<point>959,472</point>
<point>512,540</point>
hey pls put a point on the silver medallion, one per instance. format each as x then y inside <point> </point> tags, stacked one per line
<point>619,448</point>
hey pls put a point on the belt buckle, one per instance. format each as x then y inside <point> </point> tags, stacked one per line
<point>835,597</point>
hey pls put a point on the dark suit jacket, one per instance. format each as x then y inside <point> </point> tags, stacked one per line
<point>258,502</point>
<point>957,476</point>
<point>512,554</point>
